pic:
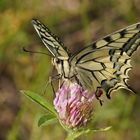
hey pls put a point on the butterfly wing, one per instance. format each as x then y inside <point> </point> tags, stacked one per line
<point>50,40</point>
<point>106,62</point>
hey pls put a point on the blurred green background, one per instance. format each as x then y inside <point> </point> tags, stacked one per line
<point>77,23</point>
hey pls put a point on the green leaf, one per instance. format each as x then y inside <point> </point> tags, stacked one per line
<point>101,129</point>
<point>40,100</point>
<point>73,135</point>
<point>46,120</point>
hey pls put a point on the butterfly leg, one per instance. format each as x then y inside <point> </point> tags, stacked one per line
<point>98,94</point>
<point>54,78</point>
<point>50,81</point>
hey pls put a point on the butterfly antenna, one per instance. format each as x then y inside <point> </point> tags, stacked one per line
<point>25,50</point>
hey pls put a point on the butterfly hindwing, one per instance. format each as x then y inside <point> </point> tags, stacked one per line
<point>107,61</point>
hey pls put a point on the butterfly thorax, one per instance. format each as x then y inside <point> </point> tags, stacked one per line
<point>63,68</point>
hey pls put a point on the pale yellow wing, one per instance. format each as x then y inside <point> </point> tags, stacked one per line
<point>106,62</point>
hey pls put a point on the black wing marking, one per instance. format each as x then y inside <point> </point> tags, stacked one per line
<point>52,42</point>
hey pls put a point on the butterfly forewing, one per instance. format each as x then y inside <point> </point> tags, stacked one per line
<point>50,40</point>
<point>106,62</point>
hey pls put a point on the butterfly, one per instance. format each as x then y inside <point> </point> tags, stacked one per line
<point>100,66</point>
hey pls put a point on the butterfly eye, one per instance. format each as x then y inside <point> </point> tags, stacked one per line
<point>57,61</point>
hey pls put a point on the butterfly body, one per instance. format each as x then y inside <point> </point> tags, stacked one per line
<point>102,65</point>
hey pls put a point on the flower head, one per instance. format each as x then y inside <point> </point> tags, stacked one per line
<point>74,105</point>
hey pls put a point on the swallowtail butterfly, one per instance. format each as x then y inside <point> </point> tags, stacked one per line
<point>103,65</point>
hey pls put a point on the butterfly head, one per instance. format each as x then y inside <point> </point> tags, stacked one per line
<point>63,67</point>
<point>58,63</point>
